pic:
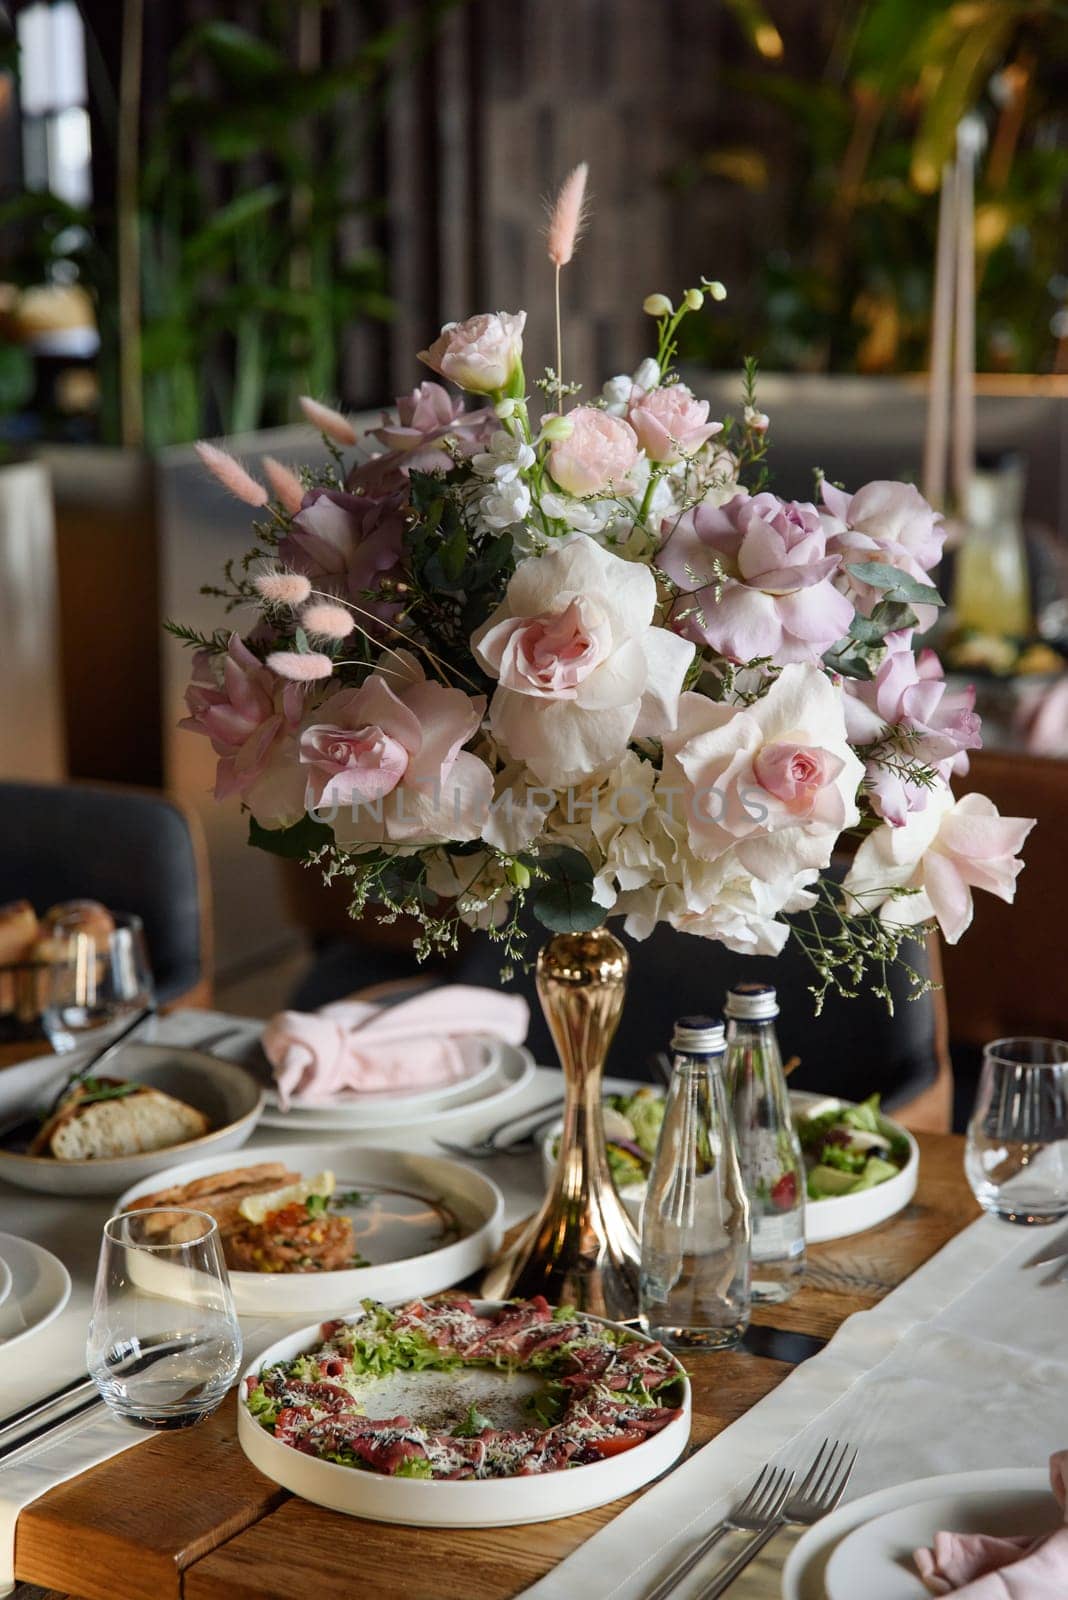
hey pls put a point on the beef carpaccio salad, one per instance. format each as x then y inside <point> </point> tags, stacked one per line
<point>600,1391</point>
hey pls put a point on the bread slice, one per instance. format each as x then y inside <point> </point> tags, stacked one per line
<point>261,1175</point>
<point>148,1119</point>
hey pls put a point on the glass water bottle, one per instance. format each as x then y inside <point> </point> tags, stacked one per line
<point>695,1221</point>
<point>768,1146</point>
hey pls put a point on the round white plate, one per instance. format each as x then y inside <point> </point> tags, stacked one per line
<point>5,1280</point>
<point>227,1094</point>
<point>481,1056</point>
<point>898,1520</point>
<point>40,1288</point>
<point>512,1073</point>
<point>489,1503</point>
<point>834,1218</point>
<point>427,1265</point>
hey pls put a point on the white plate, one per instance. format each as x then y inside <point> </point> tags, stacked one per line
<point>5,1280</point>
<point>834,1218</point>
<point>469,1195</point>
<point>513,1072</point>
<point>228,1094</point>
<point>481,1055</point>
<point>1008,1499</point>
<point>489,1503</point>
<point>40,1288</point>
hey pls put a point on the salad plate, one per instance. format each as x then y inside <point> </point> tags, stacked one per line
<point>891,1523</point>
<point>880,1160</point>
<point>420,1223</point>
<point>510,1072</point>
<point>453,1415</point>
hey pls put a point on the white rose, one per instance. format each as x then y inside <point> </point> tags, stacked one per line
<point>580,667</point>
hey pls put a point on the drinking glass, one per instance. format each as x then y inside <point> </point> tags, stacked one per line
<point>164,1343</point>
<point>90,984</point>
<point>1017,1149</point>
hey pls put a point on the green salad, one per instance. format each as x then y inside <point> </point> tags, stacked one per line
<point>631,1129</point>
<point>849,1148</point>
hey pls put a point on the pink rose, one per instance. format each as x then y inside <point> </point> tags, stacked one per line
<point>769,562</point>
<point>596,456</point>
<point>550,656</point>
<point>909,693</point>
<point>886,522</point>
<point>389,757</point>
<point>346,543</point>
<point>939,855</point>
<point>669,422</point>
<point>800,776</point>
<point>482,354</point>
<point>244,710</point>
<point>425,418</point>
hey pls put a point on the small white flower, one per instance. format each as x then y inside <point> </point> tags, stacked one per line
<point>648,375</point>
<point>757,420</point>
<point>505,502</point>
<point>578,515</point>
<point>506,457</point>
<point>616,394</point>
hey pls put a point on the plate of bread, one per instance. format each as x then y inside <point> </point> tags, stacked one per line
<point>157,1104</point>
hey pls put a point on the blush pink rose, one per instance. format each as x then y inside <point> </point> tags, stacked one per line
<point>800,776</point>
<point>482,354</point>
<point>767,561</point>
<point>597,455</point>
<point>346,543</point>
<point>389,756</point>
<point>670,422</point>
<point>886,522</point>
<point>550,656</point>
<point>244,710</point>
<point>425,419</point>
<point>940,855</point>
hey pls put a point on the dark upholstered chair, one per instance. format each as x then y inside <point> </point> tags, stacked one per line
<point>131,849</point>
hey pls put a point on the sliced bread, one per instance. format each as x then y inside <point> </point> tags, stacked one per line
<point>148,1119</point>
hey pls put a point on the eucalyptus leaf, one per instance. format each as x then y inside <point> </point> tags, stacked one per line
<point>563,899</point>
<point>295,843</point>
<point>880,575</point>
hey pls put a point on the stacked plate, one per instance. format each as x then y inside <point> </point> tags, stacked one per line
<point>34,1288</point>
<point>866,1546</point>
<point>497,1074</point>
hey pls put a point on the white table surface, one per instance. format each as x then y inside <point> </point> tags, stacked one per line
<point>71,1227</point>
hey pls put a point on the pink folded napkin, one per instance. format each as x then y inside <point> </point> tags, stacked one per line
<point>355,1048</point>
<point>974,1566</point>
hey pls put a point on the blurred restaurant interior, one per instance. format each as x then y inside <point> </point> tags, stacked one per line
<point>209,208</point>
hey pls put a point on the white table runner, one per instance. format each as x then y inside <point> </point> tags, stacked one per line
<point>965,1365</point>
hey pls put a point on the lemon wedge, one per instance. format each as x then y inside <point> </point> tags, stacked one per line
<point>256,1208</point>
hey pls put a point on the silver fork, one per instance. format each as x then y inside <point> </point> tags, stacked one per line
<point>763,1504</point>
<point>823,1487</point>
<point>490,1144</point>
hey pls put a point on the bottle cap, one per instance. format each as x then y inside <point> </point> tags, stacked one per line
<point>699,1036</point>
<point>752,1002</point>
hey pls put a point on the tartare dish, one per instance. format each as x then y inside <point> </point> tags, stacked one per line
<point>600,1391</point>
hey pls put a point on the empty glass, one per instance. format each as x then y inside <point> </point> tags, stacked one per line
<point>89,984</point>
<point>1017,1151</point>
<point>164,1343</point>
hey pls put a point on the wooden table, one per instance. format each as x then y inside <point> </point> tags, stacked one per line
<point>185,1515</point>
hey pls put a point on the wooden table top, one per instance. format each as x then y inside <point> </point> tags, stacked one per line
<point>186,1517</point>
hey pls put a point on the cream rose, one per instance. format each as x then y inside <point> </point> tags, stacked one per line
<point>482,354</point>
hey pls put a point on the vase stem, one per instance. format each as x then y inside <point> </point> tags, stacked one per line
<point>581,1248</point>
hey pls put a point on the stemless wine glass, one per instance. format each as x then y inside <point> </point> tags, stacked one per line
<point>91,983</point>
<point>164,1343</point>
<point>1017,1150</point>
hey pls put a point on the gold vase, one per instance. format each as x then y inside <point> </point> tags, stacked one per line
<point>581,1248</point>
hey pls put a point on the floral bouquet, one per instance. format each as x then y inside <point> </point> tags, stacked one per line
<point>576,656</point>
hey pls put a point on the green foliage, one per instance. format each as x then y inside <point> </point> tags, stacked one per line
<point>562,899</point>
<point>296,843</point>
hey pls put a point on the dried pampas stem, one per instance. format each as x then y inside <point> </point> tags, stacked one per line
<point>566,221</point>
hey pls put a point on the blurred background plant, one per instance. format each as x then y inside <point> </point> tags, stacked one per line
<point>860,129</point>
<point>227,262</point>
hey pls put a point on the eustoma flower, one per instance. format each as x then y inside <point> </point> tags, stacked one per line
<point>389,757</point>
<point>580,667</point>
<point>756,579</point>
<point>250,716</point>
<point>483,354</point>
<point>890,523</point>
<point>939,855</point>
<point>346,542</point>
<point>670,422</point>
<point>425,419</point>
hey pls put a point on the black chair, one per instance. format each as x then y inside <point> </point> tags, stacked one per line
<point>133,850</point>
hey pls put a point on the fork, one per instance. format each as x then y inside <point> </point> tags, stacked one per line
<point>763,1504</point>
<point>823,1487</point>
<point>489,1145</point>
